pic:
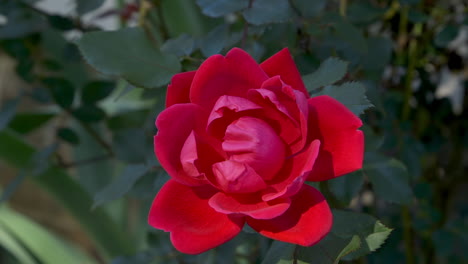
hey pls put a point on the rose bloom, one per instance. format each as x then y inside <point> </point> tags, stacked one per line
<point>239,139</point>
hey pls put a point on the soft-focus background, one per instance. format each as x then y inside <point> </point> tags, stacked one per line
<point>77,169</point>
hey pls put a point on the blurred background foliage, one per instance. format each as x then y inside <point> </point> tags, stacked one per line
<point>78,172</point>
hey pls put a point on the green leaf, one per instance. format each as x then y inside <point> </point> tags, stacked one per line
<point>26,122</point>
<point>347,187</point>
<point>329,72</point>
<point>217,8</point>
<point>352,246</point>
<point>63,91</point>
<point>134,58</point>
<point>194,22</point>
<point>95,91</point>
<point>130,119</point>
<point>183,45</point>
<point>215,40</point>
<point>84,6</point>
<point>349,35</point>
<point>279,253</point>
<point>364,12</point>
<point>7,112</point>
<point>121,185</point>
<point>9,242</point>
<point>309,8</point>
<point>268,11</point>
<point>371,232</point>
<point>378,55</point>
<point>351,94</point>
<point>61,22</point>
<point>446,35</point>
<point>43,245</point>
<point>68,135</point>
<point>353,235</point>
<point>389,178</point>
<point>327,251</point>
<point>89,113</point>
<point>20,23</point>
<point>131,145</point>
<point>13,150</point>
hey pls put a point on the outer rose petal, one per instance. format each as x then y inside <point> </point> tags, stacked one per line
<point>172,135</point>
<point>306,222</point>
<point>195,227</point>
<point>249,205</point>
<point>179,89</point>
<point>231,75</point>
<point>282,64</point>
<point>342,147</point>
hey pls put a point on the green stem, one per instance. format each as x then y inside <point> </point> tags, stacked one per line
<point>402,35</point>
<point>409,78</point>
<point>98,138</point>
<point>407,235</point>
<point>343,7</point>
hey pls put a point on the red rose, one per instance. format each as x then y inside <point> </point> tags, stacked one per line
<point>239,139</point>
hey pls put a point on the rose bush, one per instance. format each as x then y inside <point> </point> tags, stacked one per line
<point>239,140</point>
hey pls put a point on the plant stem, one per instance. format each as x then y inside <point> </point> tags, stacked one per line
<point>343,7</point>
<point>412,58</point>
<point>63,164</point>
<point>295,254</point>
<point>98,138</point>
<point>407,235</point>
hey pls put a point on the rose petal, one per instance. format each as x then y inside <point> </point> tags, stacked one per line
<point>252,141</point>
<point>195,227</point>
<point>296,104</point>
<point>231,75</point>
<point>175,124</point>
<point>342,147</point>
<point>249,205</point>
<point>226,110</point>
<point>282,64</point>
<point>189,157</point>
<point>301,165</point>
<point>236,177</point>
<point>178,90</point>
<point>306,222</point>
<point>277,116</point>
